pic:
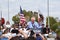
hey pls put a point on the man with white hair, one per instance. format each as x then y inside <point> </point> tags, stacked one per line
<point>35,32</point>
<point>32,23</point>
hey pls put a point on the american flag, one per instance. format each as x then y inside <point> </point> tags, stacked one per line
<point>22,18</point>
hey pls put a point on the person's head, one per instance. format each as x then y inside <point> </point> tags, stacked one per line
<point>7,22</point>
<point>42,25</point>
<point>15,26</point>
<point>0,27</point>
<point>32,19</point>
<point>41,18</point>
<point>22,20</point>
<point>46,26</point>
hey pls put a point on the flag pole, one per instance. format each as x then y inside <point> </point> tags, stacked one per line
<point>48,13</point>
<point>8,10</point>
<point>1,14</point>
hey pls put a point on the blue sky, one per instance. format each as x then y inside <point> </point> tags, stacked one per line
<point>32,5</point>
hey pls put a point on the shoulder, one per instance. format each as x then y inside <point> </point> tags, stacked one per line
<point>36,22</point>
<point>29,22</point>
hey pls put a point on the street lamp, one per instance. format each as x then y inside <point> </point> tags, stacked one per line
<point>48,13</point>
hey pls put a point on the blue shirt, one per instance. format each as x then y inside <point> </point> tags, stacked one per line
<point>39,25</point>
<point>34,25</point>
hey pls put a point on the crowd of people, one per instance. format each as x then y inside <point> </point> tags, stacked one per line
<point>31,30</point>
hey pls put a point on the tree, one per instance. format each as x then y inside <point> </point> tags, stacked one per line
<point>15,19</point>
<point>56,27</point>
<point>27,14</point>
<point>52,21</point>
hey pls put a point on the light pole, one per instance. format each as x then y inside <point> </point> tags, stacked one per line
<point>1,14</point>
<point>8,10</point>
<point>48,13</point>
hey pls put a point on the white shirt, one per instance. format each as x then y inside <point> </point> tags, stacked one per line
<point>8,26</point>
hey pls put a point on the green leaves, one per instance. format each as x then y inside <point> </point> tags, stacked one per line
<point>54,25</point>
<point>27,14</point>
<point>15,19</point>
<point>51,21</point>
